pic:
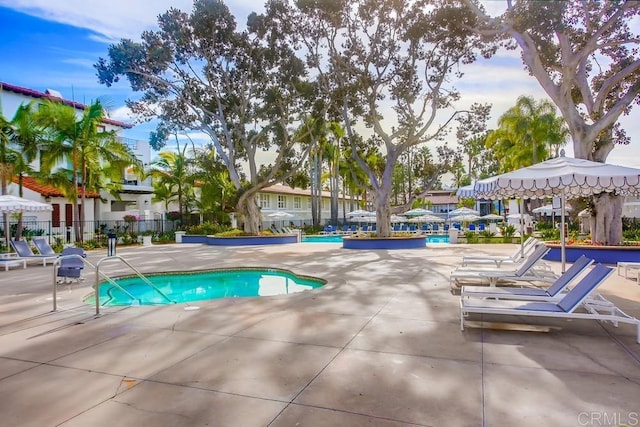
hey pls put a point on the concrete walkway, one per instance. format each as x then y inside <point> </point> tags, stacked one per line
<point>380,345</point>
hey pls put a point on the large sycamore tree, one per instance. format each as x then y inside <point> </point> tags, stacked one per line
<point>585,56</point>
<point>388,64</point>
<point>244,89</point>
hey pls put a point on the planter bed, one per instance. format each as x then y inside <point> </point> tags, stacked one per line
<point>384,243</point>
<point>603,254</point>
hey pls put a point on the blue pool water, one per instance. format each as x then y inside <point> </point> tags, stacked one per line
<point>183,287</point>
<point>336,238</point>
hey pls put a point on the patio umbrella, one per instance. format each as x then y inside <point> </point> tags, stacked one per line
<point>360,213</point>
<point>548,210</point>
<point>425,219</point>
<point>417,212</point>
<point>280,215</point>
<point>398,218</point>
<point>13,204</point>
<point>492,217</point>
<point>463,211</point>
<point>565,177</point>
<point>466,218</point>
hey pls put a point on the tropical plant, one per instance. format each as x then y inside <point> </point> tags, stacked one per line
<point>90,153</point>
<point>527,133</point>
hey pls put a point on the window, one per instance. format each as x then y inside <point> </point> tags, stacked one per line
<point>282,202</point>
<point>296,202</point>
<point>309,203</point>
<point>264,201</point>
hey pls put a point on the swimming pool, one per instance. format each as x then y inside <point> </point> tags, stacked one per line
<point>336,238</point>
<point>184,287</point>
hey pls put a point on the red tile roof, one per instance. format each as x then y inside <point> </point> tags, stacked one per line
<point>45,189</point>
<point>35,94</point>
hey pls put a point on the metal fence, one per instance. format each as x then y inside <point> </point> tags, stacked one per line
<point>92,230</point>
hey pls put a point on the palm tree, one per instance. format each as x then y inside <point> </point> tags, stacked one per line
<point>6,167</point>
<point>25,138</point>
<point>91,153</point>
<point>527,133</point>
<point>172,171</point>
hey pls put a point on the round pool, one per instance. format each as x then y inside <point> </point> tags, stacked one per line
<point>336,238</point>
<point>184,287</point>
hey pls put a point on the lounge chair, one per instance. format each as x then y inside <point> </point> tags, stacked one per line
<point>12,261</point>
<point>472,227</point>
<point>522,252</point>
<point>527,271</point>
<point>481,227</point>
<point>24,251</point>
<point>70,268</point>
<point>44,248</point>
<point>553,292</point>
<point>563,309</point>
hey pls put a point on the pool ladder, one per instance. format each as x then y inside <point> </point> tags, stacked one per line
<point>107,278</point>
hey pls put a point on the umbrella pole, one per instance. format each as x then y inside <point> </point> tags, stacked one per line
<point>563,242</point>
<point>522,227</point>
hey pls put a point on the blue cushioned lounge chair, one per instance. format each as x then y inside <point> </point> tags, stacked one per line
<point>23,250</point>
<point>566,308</point>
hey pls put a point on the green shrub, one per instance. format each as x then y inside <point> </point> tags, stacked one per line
<point>207,228</point>
<point>231,233</point>
<point>471,236</point>
<point>486,236</point>
<point>550,234</point>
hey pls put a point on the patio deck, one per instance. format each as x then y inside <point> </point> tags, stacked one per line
<point>380,345</point>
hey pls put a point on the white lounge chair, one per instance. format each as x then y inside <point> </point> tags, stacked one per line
<point>13,261</point>
<point>24,251</point>
<point>565,308</point>
<point>526,272</point>
<point>555,291</point>
<point>523,251</point>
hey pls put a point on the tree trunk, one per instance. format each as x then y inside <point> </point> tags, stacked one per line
<point>606,220</point>
<point>383,212</point>
<point>249,213</point>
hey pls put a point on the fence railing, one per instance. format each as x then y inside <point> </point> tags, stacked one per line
<point>91,230</point>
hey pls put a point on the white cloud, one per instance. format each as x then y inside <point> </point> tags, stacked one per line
<point>116,19</point>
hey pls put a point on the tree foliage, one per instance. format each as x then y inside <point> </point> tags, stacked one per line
<point>585,56</point>
<point>527,133</point>
<point>387,62</point>
<point>242,88</point>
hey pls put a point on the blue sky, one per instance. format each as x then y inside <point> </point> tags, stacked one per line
<point>54,44</point>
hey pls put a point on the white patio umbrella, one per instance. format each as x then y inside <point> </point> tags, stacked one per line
<point>466,218</point>
<point>426,219</point>
<point>565,177</point>
<point>14,204</point>
<point>548,210</point>
<point>397,218</point>
<point>280,215</point>
<point>492,217</point>
<point>417,212</point>
<point>361,213</point>
<point>463,211</point>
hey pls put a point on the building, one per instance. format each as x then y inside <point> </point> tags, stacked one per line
<point>135,194</point>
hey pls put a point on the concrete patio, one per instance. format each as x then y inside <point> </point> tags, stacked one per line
<point>380,345</point>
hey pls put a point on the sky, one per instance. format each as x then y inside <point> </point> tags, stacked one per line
<point>53,45</point>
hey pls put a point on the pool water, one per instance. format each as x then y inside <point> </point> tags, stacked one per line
<point>336,238</point>
<point>184,287</point>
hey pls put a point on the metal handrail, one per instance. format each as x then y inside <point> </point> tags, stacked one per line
<point>144,279</point>
<point>84,260</point>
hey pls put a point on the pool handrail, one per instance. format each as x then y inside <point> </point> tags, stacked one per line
<point>140,275</point>
<point>56,264</point>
